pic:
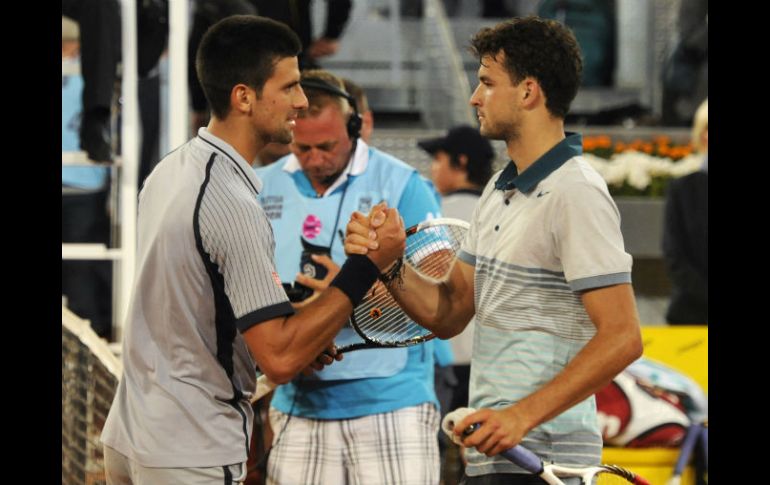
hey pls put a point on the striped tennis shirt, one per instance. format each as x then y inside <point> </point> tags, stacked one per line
<point>537,240</point>
<point>204,271</point>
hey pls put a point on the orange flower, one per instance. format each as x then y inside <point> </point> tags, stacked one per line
<point>589,144</point>
<point>662,140</point>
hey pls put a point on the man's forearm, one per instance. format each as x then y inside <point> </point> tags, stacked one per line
<point>440,307</point>
<point>615,345</point>
<point>605,356</point>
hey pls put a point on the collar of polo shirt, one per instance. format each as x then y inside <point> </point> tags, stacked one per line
<point>570,146</point>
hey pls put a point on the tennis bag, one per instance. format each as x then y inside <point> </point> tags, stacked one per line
<point>635,414</point>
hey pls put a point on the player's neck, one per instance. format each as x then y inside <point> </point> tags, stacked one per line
<point>237,136</point>
<point>533,142</point>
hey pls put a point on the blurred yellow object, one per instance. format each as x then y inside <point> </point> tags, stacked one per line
<point>654,464</point>
<point>684,348</point>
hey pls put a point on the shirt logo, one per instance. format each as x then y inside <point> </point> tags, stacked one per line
<point>277,279</point>
<point>311,227</point>
<point>273,206</point>
<point>543,192</point>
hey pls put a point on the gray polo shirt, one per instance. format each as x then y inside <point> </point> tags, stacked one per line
<point>204,270</point>
<point>537,240</point>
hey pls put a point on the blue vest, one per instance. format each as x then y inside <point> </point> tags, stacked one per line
<point>295,213</point>
<point>92,178</point>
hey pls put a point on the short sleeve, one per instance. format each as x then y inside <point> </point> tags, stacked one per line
<point>588,241</point>
<point>237,238</point>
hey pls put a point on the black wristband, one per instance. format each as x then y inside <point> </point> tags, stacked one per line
<point>356,276</point>
<point>395,273</point>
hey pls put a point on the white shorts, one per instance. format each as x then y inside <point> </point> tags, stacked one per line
<point>394,448</point>
<point>121,470</point>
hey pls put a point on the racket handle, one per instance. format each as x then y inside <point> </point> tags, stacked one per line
<point>518,454</point>
<point>693,432</point>
<point>264,386</point>
<point>525,459</point>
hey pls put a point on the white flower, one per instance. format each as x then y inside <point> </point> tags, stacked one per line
<point>689,164</point>
<point>638,169</point>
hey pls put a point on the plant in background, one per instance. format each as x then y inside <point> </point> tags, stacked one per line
<point>639,168</point>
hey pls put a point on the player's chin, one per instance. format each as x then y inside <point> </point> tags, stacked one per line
<point>285,136</point>
<point>490,132</point>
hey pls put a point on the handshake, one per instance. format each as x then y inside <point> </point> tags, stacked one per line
<point>380,236</point>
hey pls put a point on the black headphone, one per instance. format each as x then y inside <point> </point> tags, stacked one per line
<point>355,120</point>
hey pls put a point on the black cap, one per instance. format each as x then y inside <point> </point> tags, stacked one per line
<point>461,140</point>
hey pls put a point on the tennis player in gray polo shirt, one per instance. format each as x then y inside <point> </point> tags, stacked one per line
<point>543,266</point>
<point>207,304</point>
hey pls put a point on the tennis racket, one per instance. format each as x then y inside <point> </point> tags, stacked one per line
<point>431,250</point>
<point>696,433</point>
<point>551,474</point>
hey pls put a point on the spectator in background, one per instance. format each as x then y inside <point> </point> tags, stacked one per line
<point>100,53</point>
<point>294,13</point>
<point>461,167</point>
<point>86,114</point>
<point>444,378</point>
<point>86,285</point>
<point>374,396</point>
<point>686,72</point>
<point>685,235</point>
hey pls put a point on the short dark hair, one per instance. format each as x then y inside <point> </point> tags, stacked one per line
<point>541,48</point>
<point>241,49</point>
<point>479,169</point>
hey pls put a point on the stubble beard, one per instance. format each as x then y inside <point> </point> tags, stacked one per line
<point>500,131</point>
<point>284,136</point>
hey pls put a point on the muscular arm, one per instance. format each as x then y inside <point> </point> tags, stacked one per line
<point>443,308</point>
<point>284,346</point>
<point>615,345</point>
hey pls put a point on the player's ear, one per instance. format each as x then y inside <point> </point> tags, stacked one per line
<point>531,92</point>
<point>241,98</point>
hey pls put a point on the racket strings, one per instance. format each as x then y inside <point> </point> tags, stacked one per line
<point>379,317</point>
<point>431,251</point>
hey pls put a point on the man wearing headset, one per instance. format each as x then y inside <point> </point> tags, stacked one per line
<point>371,418</point>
